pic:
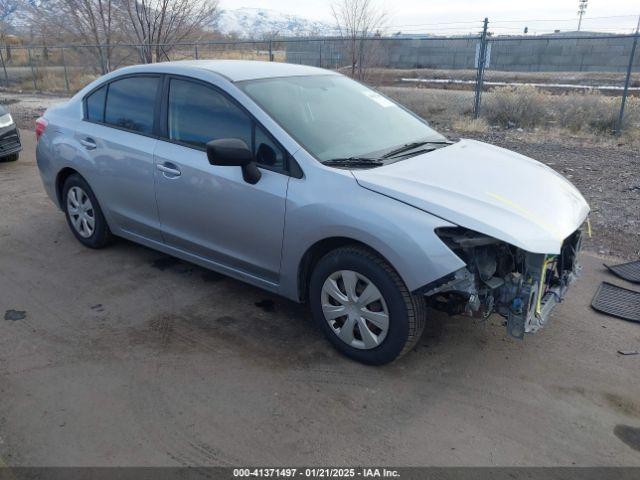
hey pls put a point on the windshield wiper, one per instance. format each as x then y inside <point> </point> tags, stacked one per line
<point>411,146</point>
<point>354,162</point>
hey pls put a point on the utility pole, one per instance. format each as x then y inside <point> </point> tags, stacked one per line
<point>582,9</point>
<point>482,57</point>
<point>627,81</point>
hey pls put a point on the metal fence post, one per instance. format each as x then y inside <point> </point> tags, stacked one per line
<point>361,59</point>
<point>195,50</point>
<point>482,54</point>
<point>33,72</point>
<point>64,67</point>
<point>271,50</point>
<point>627,81</point>
<point>4,68</point>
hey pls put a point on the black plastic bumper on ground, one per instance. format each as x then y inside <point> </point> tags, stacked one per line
<point>617,301</point>
<point>628,271</point>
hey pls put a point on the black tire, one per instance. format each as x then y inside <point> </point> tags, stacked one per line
<point>407,312</point>
<point>10,158</point>
<point>101,236</point>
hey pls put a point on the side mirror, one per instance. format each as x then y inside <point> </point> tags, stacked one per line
<point>233,152</point>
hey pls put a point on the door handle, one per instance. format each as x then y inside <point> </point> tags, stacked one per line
<point>88,143</point>
<point>169,170</point>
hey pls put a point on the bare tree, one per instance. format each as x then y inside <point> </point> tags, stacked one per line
<point>357,20</point>
<point>7,10</point>
<point>158,25</point>
<point>88,22</point>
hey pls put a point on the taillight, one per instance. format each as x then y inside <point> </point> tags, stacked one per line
<point>41,125</point>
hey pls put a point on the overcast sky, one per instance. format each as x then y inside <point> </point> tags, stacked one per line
<point>414,15</point>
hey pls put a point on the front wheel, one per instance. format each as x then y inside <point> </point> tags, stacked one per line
<point>363,307</point>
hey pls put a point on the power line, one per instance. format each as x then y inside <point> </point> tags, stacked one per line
<point>563,19</point>
<point>479,22</point>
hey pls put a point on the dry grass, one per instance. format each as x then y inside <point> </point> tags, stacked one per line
<point>514,106</point>
<point>246,54</point>
<point>53,81</point>
<point>594,112</point>
<point>435,105</point>
<point>525,107</point>
<point>471,125</point>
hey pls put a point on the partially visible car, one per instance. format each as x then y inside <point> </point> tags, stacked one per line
<point>10,145</point>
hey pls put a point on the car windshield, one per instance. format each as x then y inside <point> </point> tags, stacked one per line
<point>334,117</point>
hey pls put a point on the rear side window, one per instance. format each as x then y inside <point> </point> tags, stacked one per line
<point>131,102</point>
<point>95,105</point>
<point>199,114</point>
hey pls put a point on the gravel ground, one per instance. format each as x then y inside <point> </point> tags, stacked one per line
<point>604,171</point>
<point>26,107</point>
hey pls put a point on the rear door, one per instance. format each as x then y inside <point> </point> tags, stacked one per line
<point>117,134</point>
<point>210,211</point>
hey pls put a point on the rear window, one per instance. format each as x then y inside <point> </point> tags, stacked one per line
<point>131,102</point>
<point>95,105</point>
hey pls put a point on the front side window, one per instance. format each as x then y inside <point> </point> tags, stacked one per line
<point>95,105</point>
<point>266,151</point>
<point>335,117</point>
<point>130,103</point>
<point>199,114</point>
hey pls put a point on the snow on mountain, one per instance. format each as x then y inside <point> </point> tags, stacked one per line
<point>260,23</point>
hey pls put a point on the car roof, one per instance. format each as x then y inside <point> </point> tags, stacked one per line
<point>238,70</point>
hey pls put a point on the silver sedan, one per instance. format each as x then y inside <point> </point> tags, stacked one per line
<point>313,186</point>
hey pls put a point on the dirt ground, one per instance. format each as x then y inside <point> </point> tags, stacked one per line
<point>127,357</point>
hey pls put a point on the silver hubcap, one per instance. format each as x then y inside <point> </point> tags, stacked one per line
<point>355,309</point>
<point>81,212</point>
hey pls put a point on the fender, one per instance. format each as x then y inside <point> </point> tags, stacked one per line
<point>402,234</point>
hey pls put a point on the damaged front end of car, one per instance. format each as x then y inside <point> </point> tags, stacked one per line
<point>521,286</point>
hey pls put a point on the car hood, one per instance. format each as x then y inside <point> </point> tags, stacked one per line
<point>488,189</point>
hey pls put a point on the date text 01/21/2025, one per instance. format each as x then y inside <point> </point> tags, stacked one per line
<point>316,472</point>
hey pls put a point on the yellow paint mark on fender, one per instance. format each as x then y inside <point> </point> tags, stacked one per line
<point>529,215</point>
<point>545,266</point>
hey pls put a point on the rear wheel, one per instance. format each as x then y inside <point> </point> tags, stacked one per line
<point>83,213</point>
<point>363,306</point>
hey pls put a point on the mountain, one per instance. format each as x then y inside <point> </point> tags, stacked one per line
<point>261,22</point>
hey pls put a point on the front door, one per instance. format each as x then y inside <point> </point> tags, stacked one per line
<point>210,211</point>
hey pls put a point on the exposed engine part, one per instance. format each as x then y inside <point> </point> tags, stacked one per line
<point>486,262</point>
<point>521,286</point>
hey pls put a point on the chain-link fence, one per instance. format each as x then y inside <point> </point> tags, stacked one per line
<point>573,81</point>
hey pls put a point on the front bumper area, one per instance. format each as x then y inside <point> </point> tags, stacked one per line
<point>544,287</point>
<point>521,286</point>
<point>9,141</point>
